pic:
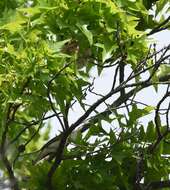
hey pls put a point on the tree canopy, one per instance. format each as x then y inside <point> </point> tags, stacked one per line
<point>52,52</point>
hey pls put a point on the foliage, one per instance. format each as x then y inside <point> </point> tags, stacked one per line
<point>49,52</point>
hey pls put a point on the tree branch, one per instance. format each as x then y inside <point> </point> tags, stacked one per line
<point>5,124</point>
<point>158,28</point>
<point>49,95</point>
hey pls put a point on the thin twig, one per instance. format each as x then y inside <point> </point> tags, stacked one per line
<point>49,96</point>
<point>28,125</point>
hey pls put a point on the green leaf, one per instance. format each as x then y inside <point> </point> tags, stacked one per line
<point>31,11</point>
<point>10,49</point>
<point>137,113</point>
<point>150,132</point>
<point>13,26</point>
<point>107,49</point>
<point>160,5</point>
<point>86,32</point>
<point>163,71</point>
<point>57,46</point>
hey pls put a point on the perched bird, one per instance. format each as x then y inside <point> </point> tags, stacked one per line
<point>70,47</point>
<point>50,148</point>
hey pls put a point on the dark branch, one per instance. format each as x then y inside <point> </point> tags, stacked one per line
<point>49,95</point>
<point>159,27</point>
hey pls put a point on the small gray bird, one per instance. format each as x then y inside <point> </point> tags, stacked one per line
<point>48,149</point>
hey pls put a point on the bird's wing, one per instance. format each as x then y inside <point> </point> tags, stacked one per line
<point>49,148</point>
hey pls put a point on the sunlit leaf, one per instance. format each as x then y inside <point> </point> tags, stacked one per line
<point>13,26</point>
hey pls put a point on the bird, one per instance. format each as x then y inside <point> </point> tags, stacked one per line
<point>71,47</point>
<point>50,148</point>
